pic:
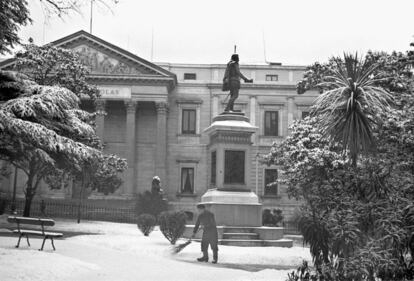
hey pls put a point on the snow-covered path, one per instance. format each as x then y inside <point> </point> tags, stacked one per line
<point>120,252</point>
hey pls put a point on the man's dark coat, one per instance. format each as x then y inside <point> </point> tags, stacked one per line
<point>210,236</point>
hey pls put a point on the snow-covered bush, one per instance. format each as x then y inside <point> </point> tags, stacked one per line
<point>172,224</point>
<point>146,223</point>
<point>267,217</point>
<point>272,217</point>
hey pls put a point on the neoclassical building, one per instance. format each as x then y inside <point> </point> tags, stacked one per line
<point>156,114</point>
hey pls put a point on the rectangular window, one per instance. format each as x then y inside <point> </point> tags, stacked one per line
<point>270,187</point>
<point>187,180</point>
<point>189,122</point>
<point>271,123</point>
<point>213,167</point>
<point>190,76</point>
<point>234,167</point>
<point>305,114</point>
<point>272,77</point>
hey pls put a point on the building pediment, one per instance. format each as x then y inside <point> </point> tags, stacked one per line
<point>101,63</point>
<point>105,58</point>
<point>108,62</point>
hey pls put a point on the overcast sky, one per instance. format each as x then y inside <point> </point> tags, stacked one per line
<point>296,32</point>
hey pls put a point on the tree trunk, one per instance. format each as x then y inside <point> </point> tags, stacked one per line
<point>80,205</point>
<point>31,187</point>
<point>354,162</point>
<point>80,198</point>
<point>29,197</point>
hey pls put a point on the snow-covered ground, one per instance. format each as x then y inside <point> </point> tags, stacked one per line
<point>114,251</point>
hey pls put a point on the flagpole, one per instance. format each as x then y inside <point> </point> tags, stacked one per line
<point>152,44</point>
<point>90,22</point>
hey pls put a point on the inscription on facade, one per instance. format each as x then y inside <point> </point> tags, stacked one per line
<point>115,92</point>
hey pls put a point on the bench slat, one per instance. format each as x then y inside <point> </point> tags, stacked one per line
<point>38,233</point>
<point>32,221</point>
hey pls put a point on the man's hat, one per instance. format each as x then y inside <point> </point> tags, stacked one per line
<point>201,206</point>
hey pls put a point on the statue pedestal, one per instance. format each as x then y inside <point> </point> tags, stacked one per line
<point>231,199</point>
<point>234,208</point>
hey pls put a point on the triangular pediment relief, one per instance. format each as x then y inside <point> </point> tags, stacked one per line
<point>107,60</point>
<point>100,63</point>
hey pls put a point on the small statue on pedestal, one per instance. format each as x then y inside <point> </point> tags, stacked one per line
<point>156,186</point>
<point>231,81</point>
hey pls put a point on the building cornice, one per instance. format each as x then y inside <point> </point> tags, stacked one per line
<point>223,66</point>
<point>189,101</point>
<point>256,86</point>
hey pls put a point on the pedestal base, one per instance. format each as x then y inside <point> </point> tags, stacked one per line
<point>233,208</point>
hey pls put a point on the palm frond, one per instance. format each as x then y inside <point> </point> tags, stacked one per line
<point>351,106</point>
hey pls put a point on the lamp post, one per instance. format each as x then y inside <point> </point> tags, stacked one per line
<point>13,206</point>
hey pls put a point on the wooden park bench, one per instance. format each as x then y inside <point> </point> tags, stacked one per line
<point>40,232</point>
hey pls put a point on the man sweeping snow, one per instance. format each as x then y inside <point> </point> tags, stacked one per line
<point>210,236</point>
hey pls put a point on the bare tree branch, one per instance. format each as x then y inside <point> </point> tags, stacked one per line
<point>63,7</point>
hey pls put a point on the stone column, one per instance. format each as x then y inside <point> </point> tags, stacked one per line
<point>253,102</point>
<point>215,75</point>
<point>100,119</point>
<point>161,147</point>
<point>290,110</point>
<point>130,141</point>
<point>290,76</point>
<point>220,166</point>
<point>253,75</point>
<point>253,110</point>
<point>215,106</point>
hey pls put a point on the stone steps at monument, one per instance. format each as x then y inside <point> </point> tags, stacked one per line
<point>241,242</point>
<point>256,243</point>
<point>241,236</point>
<point>247,236</point>
<point>240,229</point>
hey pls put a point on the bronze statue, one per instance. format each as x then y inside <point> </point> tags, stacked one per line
<point>231,81</point>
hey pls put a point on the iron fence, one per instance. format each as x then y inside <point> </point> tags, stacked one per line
<point>69,209</point>
<point>291,227</point>
<point>115,211</point>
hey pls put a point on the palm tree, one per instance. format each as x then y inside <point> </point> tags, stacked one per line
<point>352,104</point>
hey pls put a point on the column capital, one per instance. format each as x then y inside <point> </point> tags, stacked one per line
<point>131,106</point>
<point>162,107</point>
<point>100,105</point>
<point>290,98</point>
